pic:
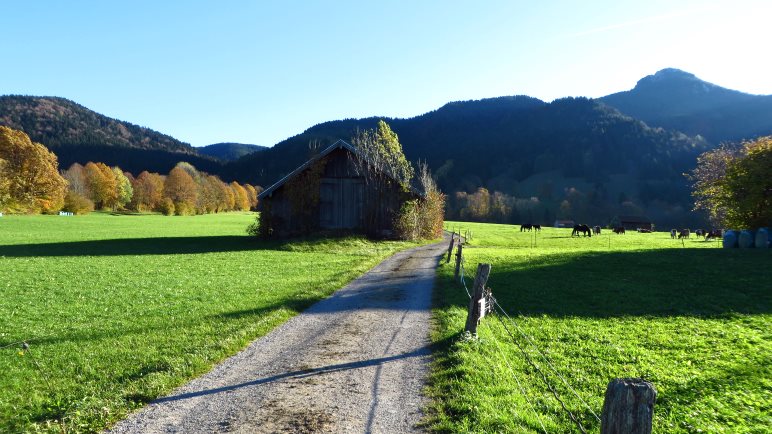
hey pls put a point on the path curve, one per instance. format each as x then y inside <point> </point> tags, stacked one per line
<point>352,363</point>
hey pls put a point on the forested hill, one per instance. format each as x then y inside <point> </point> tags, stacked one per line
<point>572,148</point>
<point>77,134</point>
<point>229,151</point>
<point>678,100</point>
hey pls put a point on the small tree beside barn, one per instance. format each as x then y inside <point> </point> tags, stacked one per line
<point>365,188</point>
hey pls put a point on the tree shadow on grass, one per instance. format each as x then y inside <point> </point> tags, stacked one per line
<point>152,246</point>
<point>666,282</point>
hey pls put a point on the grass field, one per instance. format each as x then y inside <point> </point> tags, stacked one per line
<point>120,309</point>
<point>694,319</point>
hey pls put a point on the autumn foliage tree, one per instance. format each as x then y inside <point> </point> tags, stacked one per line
<point>182,190</point>
<point>29,175</point>
<point>734,184</point>
<point>102,185</point>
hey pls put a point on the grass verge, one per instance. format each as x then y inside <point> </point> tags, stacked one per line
<point>692,318</point>
<point>118,310</point>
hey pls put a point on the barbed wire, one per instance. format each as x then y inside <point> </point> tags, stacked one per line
<point>542,375</point>
<point>529,340</point>
<point>519,385</point>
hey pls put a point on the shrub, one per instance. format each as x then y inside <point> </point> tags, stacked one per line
<point>166,206</point>
<point>77,204</point>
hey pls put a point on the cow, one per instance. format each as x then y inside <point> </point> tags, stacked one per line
<point>715,233</point>
<point>700,233</point>
<point>537,227</point>
<point>584,229</point>
<point>619,230</point>
<point>673,233</point>
<point>526,227</point>
<point>596,230</point>
<point>683,234</point>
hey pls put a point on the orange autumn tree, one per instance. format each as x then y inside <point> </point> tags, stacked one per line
<point>102,185</point>
<point>29,175</point>
<point>182,190</point>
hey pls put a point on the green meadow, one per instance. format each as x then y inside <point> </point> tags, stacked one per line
<point>118,310</point>
<point>692,318</point>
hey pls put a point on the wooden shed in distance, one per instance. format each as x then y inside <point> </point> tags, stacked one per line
<point>327,194</point>
<point>632,223</point>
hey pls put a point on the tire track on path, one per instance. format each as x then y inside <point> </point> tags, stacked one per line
<point>354,362</point>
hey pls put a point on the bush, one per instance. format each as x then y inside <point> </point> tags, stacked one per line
<point>184,208</point>
<point>77,204</point>
<point>166,206</point>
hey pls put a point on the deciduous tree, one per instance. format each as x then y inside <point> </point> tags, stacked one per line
<point>182,190</point>
<point>102,185</point>
<point>30,174</point>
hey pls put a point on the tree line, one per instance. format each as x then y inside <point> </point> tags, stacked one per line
<point>30,182</point>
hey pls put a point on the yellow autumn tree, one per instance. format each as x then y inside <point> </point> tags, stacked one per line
<point>182,190</point>
<point>240,196</point>
<point>29,175</point>
<point>102,185</point>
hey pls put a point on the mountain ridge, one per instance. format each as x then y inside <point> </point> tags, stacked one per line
<point>679,100</point>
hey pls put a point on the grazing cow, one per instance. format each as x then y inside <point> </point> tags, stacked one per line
<point>596,230</point>
<point>537,227</point>
<point>700,233</point>
<point>644,231</point>
<point>526,227</point>
<point>683,234</point>
<point>715,233</point>
<point>584,229</point>
<point>673,233</point>
<point>619,230</point>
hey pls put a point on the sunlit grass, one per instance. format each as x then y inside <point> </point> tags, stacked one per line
<point>118,310</point>
<point>688,316</point>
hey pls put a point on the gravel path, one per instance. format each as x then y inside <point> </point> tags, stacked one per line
<point>354,362</point>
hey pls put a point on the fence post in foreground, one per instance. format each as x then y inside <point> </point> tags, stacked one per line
<point>450,247</point>
<point>474,314</point>
<point>628,407</point>
<point>458,260</point>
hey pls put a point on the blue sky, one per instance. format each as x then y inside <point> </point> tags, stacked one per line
<point>259,72</point>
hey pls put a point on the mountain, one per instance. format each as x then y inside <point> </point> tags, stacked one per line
<point>229,151</point>
<point>77,134</point>
<point>525,148</point>
<point>678,100</point>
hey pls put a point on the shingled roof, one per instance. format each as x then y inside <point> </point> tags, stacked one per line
<point>340,144</point>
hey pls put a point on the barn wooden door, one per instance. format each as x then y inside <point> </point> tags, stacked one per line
<point>341,201</point>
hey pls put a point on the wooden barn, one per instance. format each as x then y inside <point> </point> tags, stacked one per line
<point>326,193</point>
<point>632,223</point>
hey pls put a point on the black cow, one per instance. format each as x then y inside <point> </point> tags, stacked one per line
<point>584,229</point>
<point>526,227</point>
<point>596,230</point>
<point>684,234</point>
<point>619,230</point>
<point>537,227</point>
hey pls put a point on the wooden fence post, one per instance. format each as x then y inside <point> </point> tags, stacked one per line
<point>450,247</point>
<point>474,314</point>
<point>628,407</point>
<point>458,260</point>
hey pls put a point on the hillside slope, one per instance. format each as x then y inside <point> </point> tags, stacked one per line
<point>77,134</point>
<point>229,151</point>
<point>678,100</point>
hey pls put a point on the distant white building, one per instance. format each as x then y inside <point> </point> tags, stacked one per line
<point>564,223</point>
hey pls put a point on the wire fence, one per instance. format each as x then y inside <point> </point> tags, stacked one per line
<point>533,355</point>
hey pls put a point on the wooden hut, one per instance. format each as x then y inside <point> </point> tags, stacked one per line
<point>632,223</point>
<point>329,193</point>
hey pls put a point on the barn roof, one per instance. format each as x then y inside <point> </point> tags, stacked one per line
<point>340,144</point>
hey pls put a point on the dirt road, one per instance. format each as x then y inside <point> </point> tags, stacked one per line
<point>353,363</point>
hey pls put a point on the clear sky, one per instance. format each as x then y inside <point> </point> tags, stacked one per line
<point>261,71</point>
